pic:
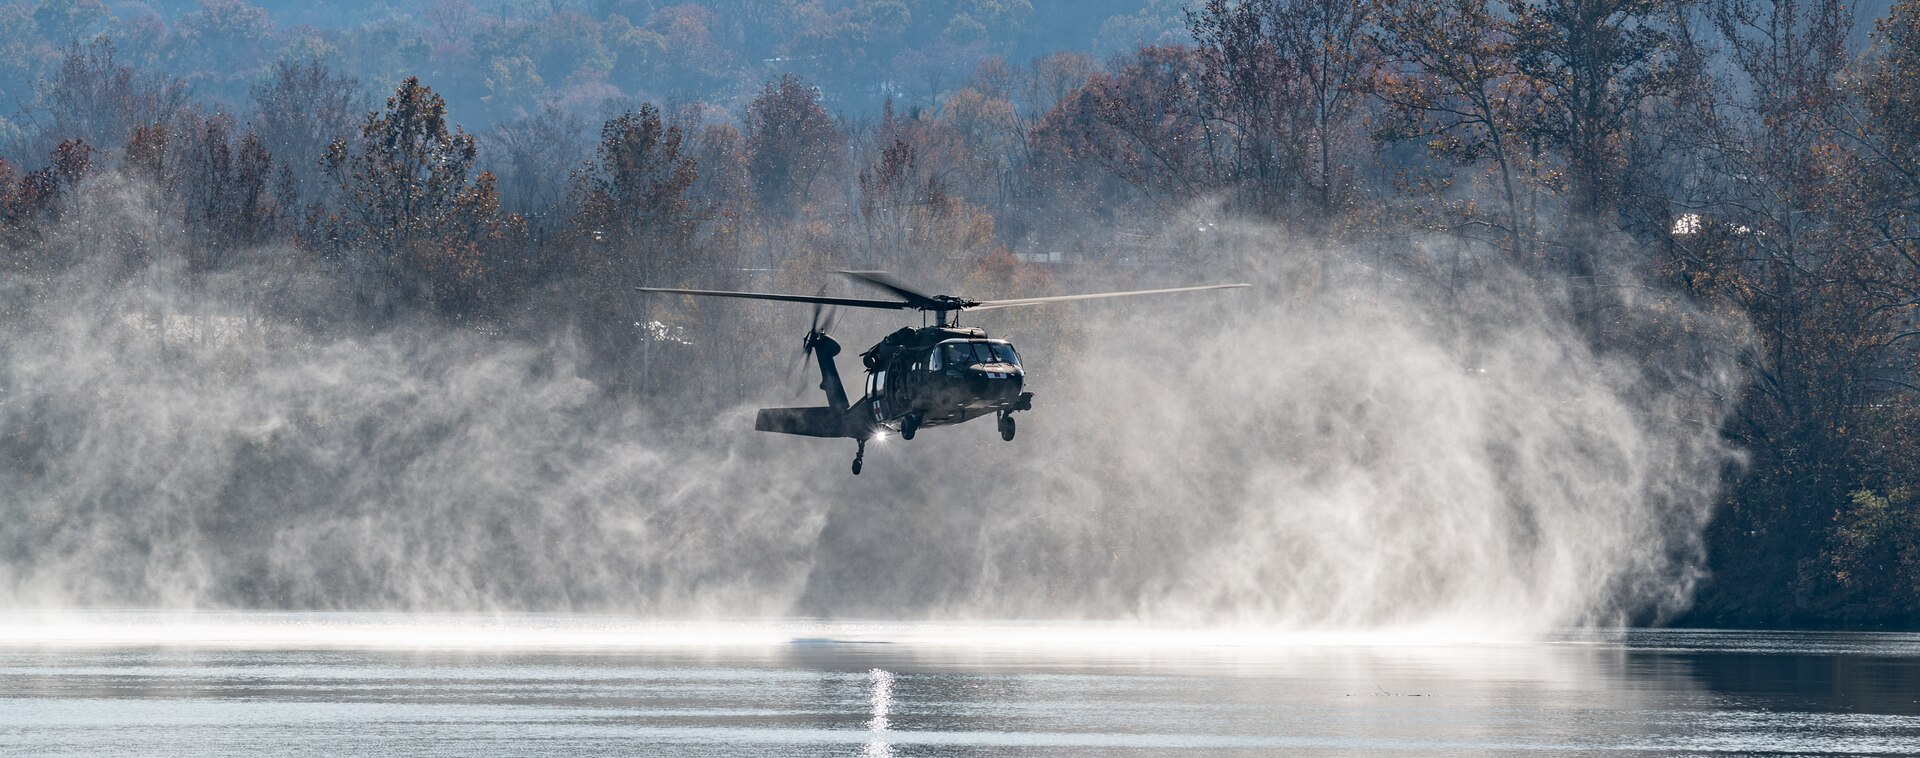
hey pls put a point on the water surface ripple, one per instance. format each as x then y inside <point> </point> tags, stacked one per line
<point>144,683</point>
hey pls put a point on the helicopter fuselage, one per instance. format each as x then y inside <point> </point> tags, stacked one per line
<point>939,376</point>
<point>916,379</point>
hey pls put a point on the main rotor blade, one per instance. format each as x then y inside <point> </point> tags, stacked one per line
<point>885,281</point>
<point>846,301</point>
<point>986,305</point>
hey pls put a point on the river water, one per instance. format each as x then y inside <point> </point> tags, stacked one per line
<point>173,683</point>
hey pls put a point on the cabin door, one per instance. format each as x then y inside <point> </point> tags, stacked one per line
<point>906,386</point>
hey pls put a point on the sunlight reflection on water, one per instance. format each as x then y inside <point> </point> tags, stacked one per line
<point>882,700</point>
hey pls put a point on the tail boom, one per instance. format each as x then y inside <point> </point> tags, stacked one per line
<point>806,422</point>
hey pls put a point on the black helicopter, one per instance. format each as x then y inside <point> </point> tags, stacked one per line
<point>916,378</point>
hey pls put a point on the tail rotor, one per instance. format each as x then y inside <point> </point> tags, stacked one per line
<point>817,340</point>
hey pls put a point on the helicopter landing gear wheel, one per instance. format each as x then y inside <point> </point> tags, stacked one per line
<point>1006,426</point>
<point>909,425</point>
<point>858,456</point>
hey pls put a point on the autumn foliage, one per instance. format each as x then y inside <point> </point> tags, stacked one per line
<point>1727,162</point>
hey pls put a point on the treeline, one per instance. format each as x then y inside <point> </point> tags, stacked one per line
<point>497,61</point>
<point>1726,161</point>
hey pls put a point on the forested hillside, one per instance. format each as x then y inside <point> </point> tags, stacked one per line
<point>1747,170</point>
<point>496,62</point>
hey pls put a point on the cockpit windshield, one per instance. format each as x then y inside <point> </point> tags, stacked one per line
<point>969,353</point>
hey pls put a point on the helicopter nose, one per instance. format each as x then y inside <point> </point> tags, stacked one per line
<point>995,379</point>
<point>995,371</point>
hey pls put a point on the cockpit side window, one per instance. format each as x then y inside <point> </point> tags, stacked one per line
<point>1003,353</point>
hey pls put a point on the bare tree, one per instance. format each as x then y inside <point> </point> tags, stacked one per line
<point>95,98</point>
<point>298,110</point>
<point>1448,79</point>
<point>533,157</point>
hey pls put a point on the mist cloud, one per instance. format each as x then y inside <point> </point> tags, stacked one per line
<point>1337,447</point>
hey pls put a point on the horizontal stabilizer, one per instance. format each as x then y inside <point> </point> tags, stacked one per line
<point>810,422</point>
